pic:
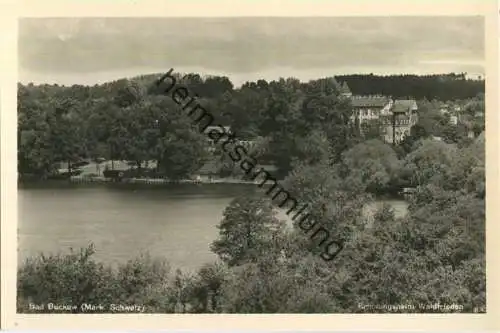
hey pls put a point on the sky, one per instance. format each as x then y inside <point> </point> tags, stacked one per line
<point>95,50</point>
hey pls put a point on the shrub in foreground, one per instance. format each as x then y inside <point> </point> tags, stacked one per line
<point>75,278</point>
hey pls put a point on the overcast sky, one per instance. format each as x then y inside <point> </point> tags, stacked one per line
<point>95,50</point>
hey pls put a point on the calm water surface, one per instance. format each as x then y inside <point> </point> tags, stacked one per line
<point>174,222</point>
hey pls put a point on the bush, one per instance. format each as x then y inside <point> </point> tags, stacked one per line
<point>65,175</point>
<point>148,282</point>
<point>75,278</point>
<point>79,164</point>
<point>90,175</point>
<point>115,174</point>
<point>143,173</point>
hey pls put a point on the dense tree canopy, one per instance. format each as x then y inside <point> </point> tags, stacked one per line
<point>376,163</point>
<point>246,230</point>
<point>435,253</point>
<point>127,119</point>
<point>443,87</point>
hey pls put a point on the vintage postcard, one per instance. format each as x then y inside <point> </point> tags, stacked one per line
<point>193,164</point>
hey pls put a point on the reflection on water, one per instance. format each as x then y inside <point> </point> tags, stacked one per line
<point>177,222</point>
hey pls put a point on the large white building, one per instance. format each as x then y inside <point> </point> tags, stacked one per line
<point>395,117</point>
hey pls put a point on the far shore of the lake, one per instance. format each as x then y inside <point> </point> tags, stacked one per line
<point>204,180</point>
<point>144,180</point>
<point>100,180</point>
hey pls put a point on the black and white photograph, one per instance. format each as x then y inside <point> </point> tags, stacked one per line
<point>251,165</point>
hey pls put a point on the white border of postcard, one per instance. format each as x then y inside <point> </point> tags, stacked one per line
<point>133,8</point>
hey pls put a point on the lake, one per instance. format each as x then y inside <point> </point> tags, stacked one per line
<point>177,222</point>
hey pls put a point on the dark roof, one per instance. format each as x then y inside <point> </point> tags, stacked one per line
<point>404,105</point>
<point>366,101</point>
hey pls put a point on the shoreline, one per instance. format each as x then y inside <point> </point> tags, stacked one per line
<point>146,181</point>
<point>156,182</point>
<point>153,181</point>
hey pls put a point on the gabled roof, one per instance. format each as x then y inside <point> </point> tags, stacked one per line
<point>369,101</point>
<point>404,105</point>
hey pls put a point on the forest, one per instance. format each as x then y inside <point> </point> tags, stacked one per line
<point>130,120</point>
<point>443,87</point>
<point>436,253</point>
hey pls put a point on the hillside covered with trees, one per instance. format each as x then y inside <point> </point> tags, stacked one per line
<point>434,254</point>
<point>442,87</point>
<point>128,120</point>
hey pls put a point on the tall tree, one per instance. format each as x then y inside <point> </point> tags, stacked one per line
<point>245,231</point>
<point>374,162</point>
